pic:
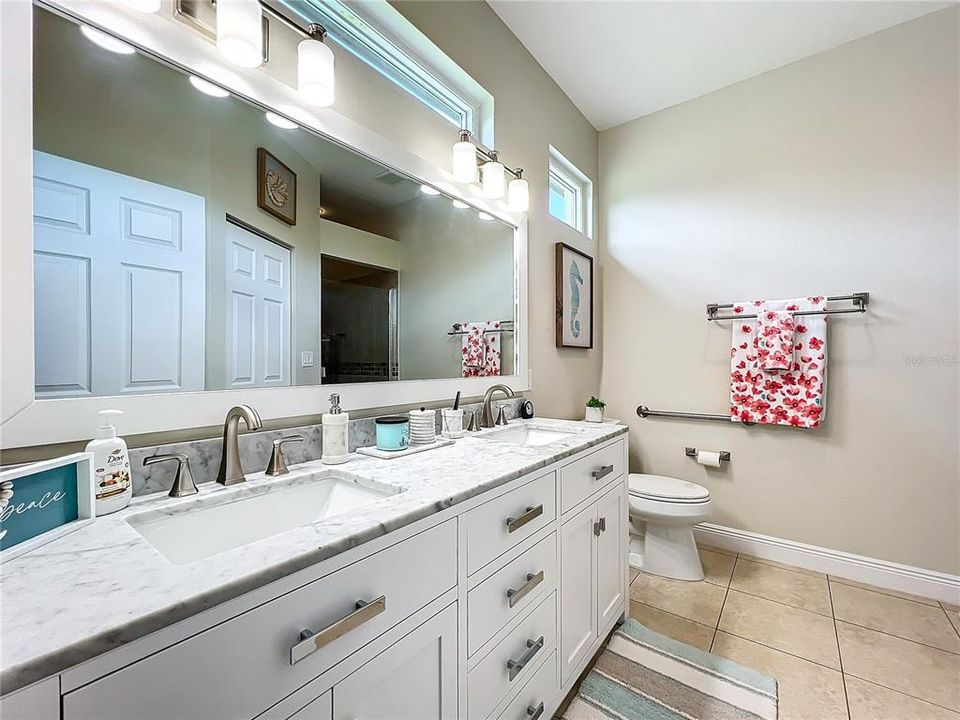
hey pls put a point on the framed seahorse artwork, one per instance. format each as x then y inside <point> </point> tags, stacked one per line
<point>574,298</point>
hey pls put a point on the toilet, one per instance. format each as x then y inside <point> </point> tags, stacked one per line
<point>663,511</point>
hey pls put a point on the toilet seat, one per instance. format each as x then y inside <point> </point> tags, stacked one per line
<point>667,489</point>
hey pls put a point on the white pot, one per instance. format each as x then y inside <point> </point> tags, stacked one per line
<point>594,414</point>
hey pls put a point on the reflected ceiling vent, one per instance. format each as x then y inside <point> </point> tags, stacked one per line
<point>389,178</point>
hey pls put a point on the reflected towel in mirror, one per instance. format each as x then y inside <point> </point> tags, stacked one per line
<point>480,349</point>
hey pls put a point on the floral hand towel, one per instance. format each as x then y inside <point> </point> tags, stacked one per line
<point>796,396</point>
<point>775,339</point>
<point>480,349</point>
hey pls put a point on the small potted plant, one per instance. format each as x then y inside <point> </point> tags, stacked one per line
<point>595,408</point>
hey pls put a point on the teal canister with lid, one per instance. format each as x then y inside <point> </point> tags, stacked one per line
<point>393,432</point>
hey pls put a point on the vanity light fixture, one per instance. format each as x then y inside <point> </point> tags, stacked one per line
<point>465,159</point>
<point>484,216</point>
<point>208,88</point>
<point>107,42</point>
<point>315,76</point>
<point>240,32</point>
<point>280,121</point>
<point>146,6</point>
<point>460,205</point>
<point>518,193</point>
<point>427,190</point>
<point>468,155</point>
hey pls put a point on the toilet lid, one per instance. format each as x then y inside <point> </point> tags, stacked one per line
<point>661,487</point>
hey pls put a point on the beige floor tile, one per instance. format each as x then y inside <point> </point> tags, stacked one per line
<point>911,668</point>
<point>953,613</point>
<point>872,702</point>
<point>806,691</point>
<point>807,592</point>
<point>697,601</point>
<point>717,567</point>
<point>774,563</point>
<point>904,618</point>
<point>894,593</point>
<point>673,626</point>
<point>715,549</point>
<point>633,574</point>
<point>798,632</point>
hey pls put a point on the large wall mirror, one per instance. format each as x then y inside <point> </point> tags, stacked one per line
<point>187,240</point>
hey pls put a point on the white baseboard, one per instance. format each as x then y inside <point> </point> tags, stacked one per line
<point>881,573</point>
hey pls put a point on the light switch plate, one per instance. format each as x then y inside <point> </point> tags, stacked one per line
<point>306,359</point>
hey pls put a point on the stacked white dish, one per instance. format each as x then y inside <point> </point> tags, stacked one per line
<point>423,427</point>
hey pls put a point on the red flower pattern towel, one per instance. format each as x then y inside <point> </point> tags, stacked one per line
<point>796,396</point>
<point>775,329</point>
<point>480,349</point>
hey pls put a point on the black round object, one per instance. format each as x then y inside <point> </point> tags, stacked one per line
<point>391,420</point>
<point>526,409</point>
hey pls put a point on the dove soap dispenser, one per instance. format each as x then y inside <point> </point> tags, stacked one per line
<point>111,466</point>
<point>335,425</point>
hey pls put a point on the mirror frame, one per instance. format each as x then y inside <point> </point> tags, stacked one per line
<point>27,421</point>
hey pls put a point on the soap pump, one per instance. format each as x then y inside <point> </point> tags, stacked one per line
<point>111,466</point>
<point>335,424</point>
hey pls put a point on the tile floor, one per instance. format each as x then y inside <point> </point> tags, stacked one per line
<point>839,649</point>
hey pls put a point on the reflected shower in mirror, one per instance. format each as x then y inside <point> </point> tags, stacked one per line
<point>186,240</point>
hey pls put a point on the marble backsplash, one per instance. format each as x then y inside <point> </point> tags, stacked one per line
<point>255,449</point>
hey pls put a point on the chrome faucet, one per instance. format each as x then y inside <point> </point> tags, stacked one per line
<point>231,470</point>
<point>487,420</point>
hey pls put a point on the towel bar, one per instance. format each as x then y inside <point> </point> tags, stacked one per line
<point>645,412</point>
<point>859,300</point>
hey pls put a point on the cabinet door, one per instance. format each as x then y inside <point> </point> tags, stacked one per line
<point>416,679</point>
<point>578,597</point>
<point>319,709</point>
<point>610,545</point>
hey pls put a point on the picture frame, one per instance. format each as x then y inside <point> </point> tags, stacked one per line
<point>574,289</point>
<point>43,501</point>
<point>276,187</point>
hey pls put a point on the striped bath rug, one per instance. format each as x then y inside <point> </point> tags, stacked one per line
<point>642,675</point>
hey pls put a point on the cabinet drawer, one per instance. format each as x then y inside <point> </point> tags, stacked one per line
<point>535,700</point>
<point>584,476</point>
<point>512,662</point>
<point>242,666</point>
<point>496,526</point>
<point>509,591</point>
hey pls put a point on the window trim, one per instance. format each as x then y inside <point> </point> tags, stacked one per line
<point>571,177</point>
<point>378,35</point>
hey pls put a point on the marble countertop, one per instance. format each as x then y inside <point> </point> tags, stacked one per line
<point>105,585</point>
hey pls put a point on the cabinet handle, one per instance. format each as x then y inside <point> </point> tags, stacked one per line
<point>535,712</point>
<point>515,596</point>
<point>515,666</point>
<point>603,524</point>
<point>602,472</point>
<point>311,641</point>
<point>514,524</point>
<point>596,529</point>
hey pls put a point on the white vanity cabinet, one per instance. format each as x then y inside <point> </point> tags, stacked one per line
<point>487,609</point>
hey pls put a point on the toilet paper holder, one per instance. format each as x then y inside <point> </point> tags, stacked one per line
<point>692,452</point>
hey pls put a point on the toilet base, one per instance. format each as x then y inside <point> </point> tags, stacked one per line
<point>666,550</point>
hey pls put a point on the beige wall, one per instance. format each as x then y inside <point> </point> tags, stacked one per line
<point>835,174</point>
<point>531,113</point>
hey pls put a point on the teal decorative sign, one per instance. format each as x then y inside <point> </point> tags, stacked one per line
<point>43,501</point>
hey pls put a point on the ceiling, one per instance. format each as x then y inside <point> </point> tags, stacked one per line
<point>620,60</point>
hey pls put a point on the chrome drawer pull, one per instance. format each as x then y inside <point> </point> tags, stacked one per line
<point>603,524</point>
<point>602,472</point>
<point>311,641</point>
<point>515,596</point>
<point>535,712</point>
<point>515,666</point>
<point>514,524</point>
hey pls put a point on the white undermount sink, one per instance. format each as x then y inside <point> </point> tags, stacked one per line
<point>525,436</point>
<point>203,526</point>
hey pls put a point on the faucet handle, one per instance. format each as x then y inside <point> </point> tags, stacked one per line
<point>474,423</point>
<point>278,464</point>
<point>501,418</point>
<point>183,483</point>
